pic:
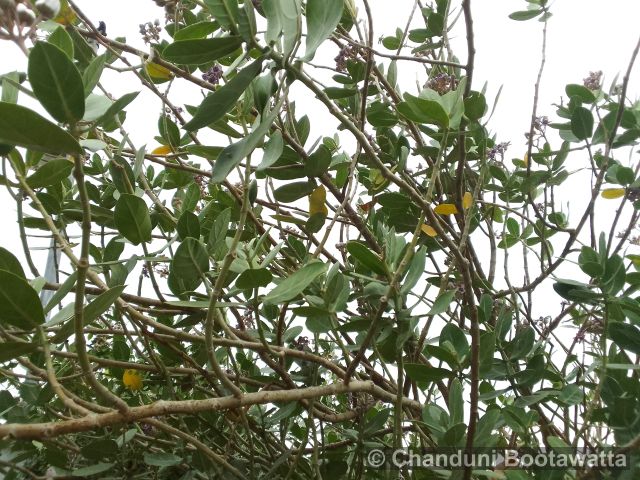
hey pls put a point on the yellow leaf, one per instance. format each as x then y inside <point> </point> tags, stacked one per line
<point>132,379</point>
<point>612,193</point>
<point>526,159</point>
<point>66,15</point>
<point>467,200</point>
<point>317,201</point>
<point>157,72</point>
<point>446,209</point>
<point>161,150</point>
<point>429,230</point>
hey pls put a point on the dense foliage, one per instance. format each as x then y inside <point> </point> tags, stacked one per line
<point>248,300</point>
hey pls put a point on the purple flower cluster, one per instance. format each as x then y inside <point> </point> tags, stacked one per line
<point>150,31</point>
<point>498,149</point>
<point>213,75</point>
<point>345,54</point>
<point>594,80</point>
<point>442,83</point>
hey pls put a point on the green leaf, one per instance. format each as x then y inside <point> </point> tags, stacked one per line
<point>272,151</point>
<point>442,303</point>
<point>423,111</point>
<point>291,192</point>
<point>254,278</point>
<point>625,336</point>
<point>61,292</point>
<point>199,51</point>
<point>91,312</point>
<point>282,17</point>
<point>525,14</point>
<point>22,127</point>
<point>195,30</point>
<point>91,75</point>
<point>456,403</point>
<point>216,242</point>
<point>475,106</point>
<point>217,104</point>
<point>274,24</point>
<point>225,12</point>
<point>56,82</point>
<point>583,93</point>
<point>51,173</point>
<point>9,83</point>
<point>487,349</point>
<point>522,344</point>
<point>188,226</point>
<point>232,155</point>
<point>366,257</point>
<point>323,17</point>
<point>132,219</point>
<point>161,459</point>
<point>454,335</point>
<point>582,123</point>
<point>416,270</point>
<point>10,263</point>
<point>210,153</point>
<point>116,107</point>
<point>557,443</point>
<point>11,350</point>
<point>61,39</point>
<point>19,302</point>
<point>571,395</point>
<point>190,264</point>
<point>101,304</point>
<point>122,174</point>
<point>318,162</point>
<point>575,291</point>
<point>92,470</point>
<point>293,285</point>
<point>425,373</point>
<point>247,22</point>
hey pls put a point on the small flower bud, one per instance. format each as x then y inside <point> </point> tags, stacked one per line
<point>48,8</point>
<point>25,16</point>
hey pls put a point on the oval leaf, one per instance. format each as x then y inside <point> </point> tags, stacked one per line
<point>189,264</point>
<point>582,123</point>
<point>22,127</point>
<point>293,285</point>
<point>293,191</point>
<point>216,105</point>
<point>132,219</point>
<point>10,263</point>
<point>51,173</point>
<point>56,82</point>
<point>199,51</point>
<point>322,19</point>
<point>254,278</point>
<point>365,256</point>
<point>19,302</point>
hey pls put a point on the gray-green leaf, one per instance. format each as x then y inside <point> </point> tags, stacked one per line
<point>56,82</point>
<point>293,285</point>
<point>22,127</point>
<point>132,219</point>
<point>19,302</point>
<point>216,105</point>
<point>323,17</point>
